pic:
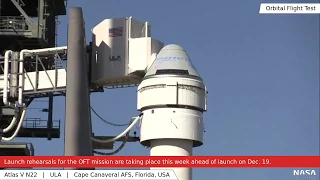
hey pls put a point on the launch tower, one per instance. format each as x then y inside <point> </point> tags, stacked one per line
<point>28,24</point>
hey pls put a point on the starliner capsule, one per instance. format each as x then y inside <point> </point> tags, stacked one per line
<point>172,97</point>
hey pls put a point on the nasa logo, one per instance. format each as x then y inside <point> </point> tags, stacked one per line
<point>301,172</point>
<point>113,58</point>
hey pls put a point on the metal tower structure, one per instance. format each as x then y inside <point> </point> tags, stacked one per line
<point>172,96</point>
<point>28,38</point>
<point>28,24</point>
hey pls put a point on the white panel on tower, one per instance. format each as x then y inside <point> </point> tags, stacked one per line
<point>121,51</point>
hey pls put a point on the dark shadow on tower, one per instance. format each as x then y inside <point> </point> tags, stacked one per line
<point>29,24</point>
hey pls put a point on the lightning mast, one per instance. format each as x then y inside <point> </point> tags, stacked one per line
<point>78,125</point>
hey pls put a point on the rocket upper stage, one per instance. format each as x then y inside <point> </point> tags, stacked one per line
<point>173,60</point>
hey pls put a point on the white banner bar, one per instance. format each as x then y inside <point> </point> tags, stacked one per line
<point>88,174</point>
<point>289,8</point>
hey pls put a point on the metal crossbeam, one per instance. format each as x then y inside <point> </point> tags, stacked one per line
<point>30,22</point>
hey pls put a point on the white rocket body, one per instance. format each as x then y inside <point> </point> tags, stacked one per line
<point>172,97</point>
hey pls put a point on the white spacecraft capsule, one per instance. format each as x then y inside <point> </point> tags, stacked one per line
<point>172,98</point>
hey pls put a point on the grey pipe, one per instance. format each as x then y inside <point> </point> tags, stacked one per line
<point>77,122</point>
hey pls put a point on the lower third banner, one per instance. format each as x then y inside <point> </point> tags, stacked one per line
<point>160,161</point>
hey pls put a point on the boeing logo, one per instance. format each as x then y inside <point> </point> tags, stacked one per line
<point>168,58</point>
<point>171,58</point>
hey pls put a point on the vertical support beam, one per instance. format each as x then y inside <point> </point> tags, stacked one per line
<point>40,18</point>
<point>89,54</point>
<point>50,108</point>
<point>77,123</point>
<point>14,76</point>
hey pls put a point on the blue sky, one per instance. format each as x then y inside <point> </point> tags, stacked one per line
<point>262,73</point>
